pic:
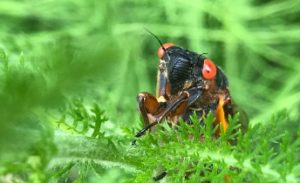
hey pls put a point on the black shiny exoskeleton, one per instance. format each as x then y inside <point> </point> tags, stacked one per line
<point>187,82</point>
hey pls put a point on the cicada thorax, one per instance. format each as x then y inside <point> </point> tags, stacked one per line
<point>180,65</point>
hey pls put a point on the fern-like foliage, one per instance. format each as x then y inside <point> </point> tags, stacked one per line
<point>82,121</point>
<point>193,154</point>
<point>83,145</point>
<point>83,152</point>
<point>188,153</point>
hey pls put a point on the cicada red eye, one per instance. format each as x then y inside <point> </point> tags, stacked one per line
<point>161,52</point>
<point>209,69</point>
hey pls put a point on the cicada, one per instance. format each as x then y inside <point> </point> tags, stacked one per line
<point>187,83</point>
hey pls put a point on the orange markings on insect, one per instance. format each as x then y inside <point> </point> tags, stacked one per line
<point>220,115</point>
<point>161,52</point>
<point>209,69</point>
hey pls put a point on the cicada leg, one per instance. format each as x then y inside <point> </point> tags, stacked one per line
<point>147,105</point>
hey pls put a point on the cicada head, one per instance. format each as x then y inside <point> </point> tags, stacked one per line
<point>185,69</point>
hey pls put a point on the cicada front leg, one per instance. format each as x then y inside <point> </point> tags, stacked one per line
<point>149,106</point>
<point>153,112</point>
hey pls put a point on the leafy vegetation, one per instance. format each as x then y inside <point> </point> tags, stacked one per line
<point>70,71</point>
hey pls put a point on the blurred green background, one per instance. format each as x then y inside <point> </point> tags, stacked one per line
<point>51,51</point>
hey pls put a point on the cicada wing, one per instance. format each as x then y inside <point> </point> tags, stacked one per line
<point>233,109</point>
<point>162,85</point>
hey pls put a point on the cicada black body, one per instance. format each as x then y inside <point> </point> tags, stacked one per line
<point>187,83</point>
